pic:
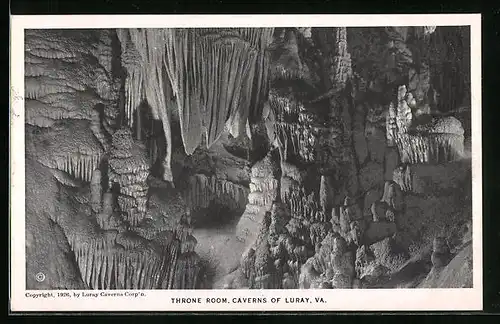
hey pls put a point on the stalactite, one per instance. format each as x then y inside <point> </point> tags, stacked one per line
<point>156,91</point>
<point>450,65</point>
<point>143,55</point>
<point>239,117</point>
<point>212,74</point>
<point>132,61</point>
<point>202,190</point>
<point>302,140</point>
<point>78,165</point>
<point>38,87</point>
<point>439,139</point>
<point>228,90</point>
<point>437,148</point>
<point>125,261</point>
<point>183,71</point>
<point>103,268</point>
<point>261,84</point>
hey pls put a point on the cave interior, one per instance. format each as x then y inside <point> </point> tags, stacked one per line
<point>248,158</point>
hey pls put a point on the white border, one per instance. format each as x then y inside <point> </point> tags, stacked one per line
<point>159,300</point>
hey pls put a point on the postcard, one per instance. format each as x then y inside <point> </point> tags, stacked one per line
<point>245,163</point>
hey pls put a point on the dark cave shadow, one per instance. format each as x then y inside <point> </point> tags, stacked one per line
<point>215,216</point>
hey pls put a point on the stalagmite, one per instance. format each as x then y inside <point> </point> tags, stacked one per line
<point>325,194</point>
<point>441,254</point>
<point>404,115</point>
<point>403,177</point>
<point>393,196</point>
<point>391,127</point>
<point>128,167</point>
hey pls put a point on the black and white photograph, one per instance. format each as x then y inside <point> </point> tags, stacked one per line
<point>248,158</point>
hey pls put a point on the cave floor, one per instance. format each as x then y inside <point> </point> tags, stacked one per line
<point>220,248</point>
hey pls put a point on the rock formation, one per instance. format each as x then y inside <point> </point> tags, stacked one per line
<point>247,158</point>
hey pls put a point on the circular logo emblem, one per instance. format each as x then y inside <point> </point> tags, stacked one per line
<point>40,277</point>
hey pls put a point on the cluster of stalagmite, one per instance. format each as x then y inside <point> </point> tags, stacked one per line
<point>331,267</point>
<point>342,233</point>
<point>338,260</point>
<point>300,216</point>
<point>430,148</point>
